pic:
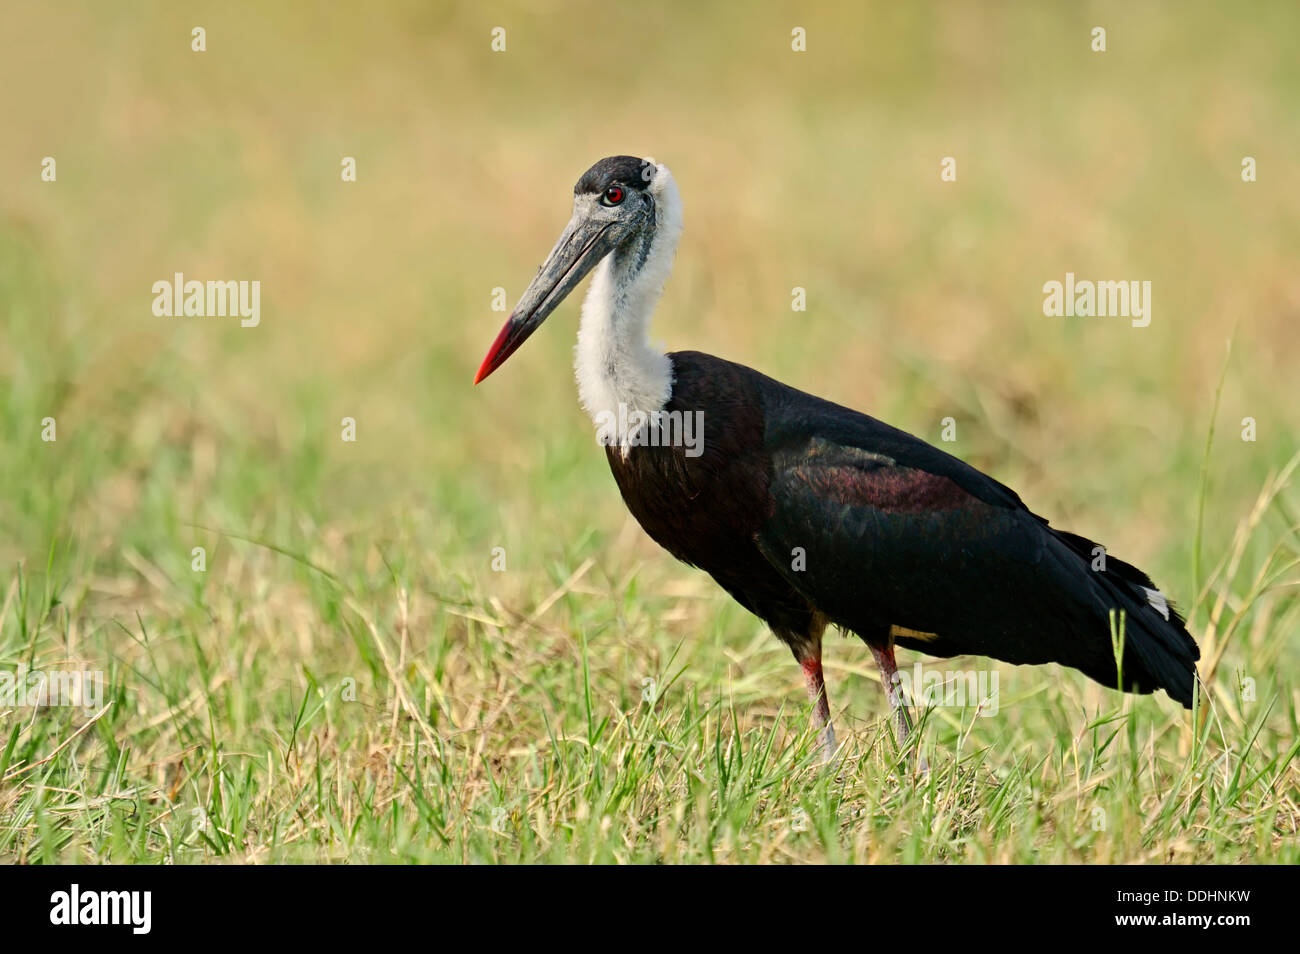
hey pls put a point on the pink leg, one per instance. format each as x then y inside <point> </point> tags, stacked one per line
<point>816,683</point>
<point>894,691</point>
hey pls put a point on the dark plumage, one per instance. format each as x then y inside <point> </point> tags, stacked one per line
<point>812,514</point>
<point>895,533</point>
<point>627,171</point>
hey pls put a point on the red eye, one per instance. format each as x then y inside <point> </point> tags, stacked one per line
<point>613,195</point>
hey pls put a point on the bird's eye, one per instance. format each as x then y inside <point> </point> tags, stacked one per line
<point>613,196</point>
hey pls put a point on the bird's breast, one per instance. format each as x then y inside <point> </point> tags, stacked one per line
<point>699,501</point>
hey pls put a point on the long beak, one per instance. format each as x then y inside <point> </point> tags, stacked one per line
<point>581,246</point>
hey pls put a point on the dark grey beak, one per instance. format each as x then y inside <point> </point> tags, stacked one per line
<point>580,248</point>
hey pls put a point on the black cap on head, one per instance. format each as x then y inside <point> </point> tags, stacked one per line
<point>630,172</point>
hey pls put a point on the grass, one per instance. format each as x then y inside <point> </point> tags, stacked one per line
<point>349,679</point>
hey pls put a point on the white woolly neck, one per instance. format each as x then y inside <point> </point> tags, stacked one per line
<point>615,362</point>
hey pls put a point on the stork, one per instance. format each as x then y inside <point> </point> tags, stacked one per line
<point>811,514</point>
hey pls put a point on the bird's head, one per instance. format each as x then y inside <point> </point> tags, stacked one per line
<point>613,203</point>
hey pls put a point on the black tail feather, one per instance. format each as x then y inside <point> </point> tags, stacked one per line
<point>1159,652</point>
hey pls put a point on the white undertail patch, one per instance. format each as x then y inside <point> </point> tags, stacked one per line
<point>1157,600</point>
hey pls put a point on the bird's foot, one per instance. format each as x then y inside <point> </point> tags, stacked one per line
<point>826,742</point>
<point>916,762</point>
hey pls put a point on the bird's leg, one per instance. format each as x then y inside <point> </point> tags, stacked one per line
<point>811,664</point>
<point>894,691</point>
<point>805,641</point>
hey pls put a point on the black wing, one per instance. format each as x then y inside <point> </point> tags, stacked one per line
<point>877,528</point>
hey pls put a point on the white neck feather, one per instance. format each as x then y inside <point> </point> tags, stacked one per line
<point>615,361</point>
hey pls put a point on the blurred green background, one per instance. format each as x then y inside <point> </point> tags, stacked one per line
<point>817,169</point>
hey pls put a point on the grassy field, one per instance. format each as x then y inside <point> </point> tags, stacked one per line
<point>349,679</point>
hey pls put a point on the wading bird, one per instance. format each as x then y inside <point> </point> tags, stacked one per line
<point>811,514</point>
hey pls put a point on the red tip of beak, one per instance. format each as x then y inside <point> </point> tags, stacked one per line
<point>496,355</point>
